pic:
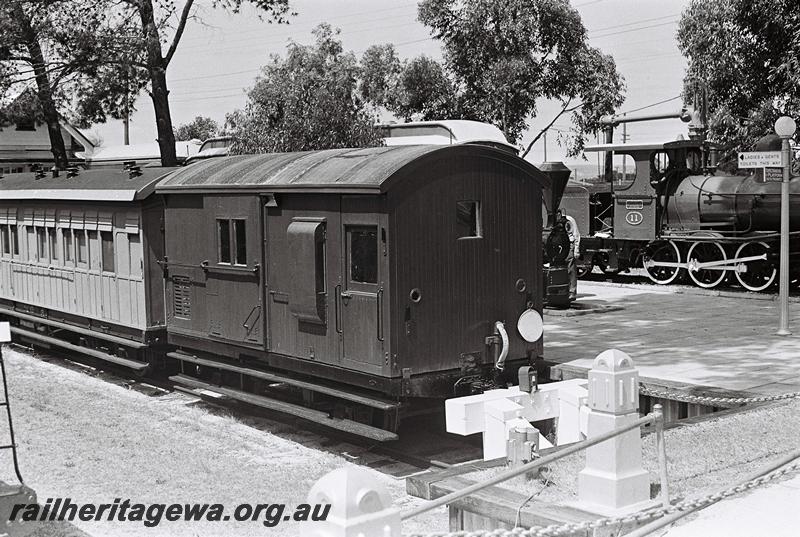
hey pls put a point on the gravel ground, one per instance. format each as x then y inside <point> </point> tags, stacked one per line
<point>83,438</point>
<point>701,458</point>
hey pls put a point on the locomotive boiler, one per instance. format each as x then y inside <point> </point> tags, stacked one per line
<point>747,204</point>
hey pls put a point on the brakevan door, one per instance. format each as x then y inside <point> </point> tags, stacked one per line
<point>361,303</point>
<point>303,259</point>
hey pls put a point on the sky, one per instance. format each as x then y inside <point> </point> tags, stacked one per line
<point>221,53</point>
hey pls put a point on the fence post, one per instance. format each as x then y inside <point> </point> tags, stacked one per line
<point>613,479</point>
<point>360,506</point>
<point>661,448</point>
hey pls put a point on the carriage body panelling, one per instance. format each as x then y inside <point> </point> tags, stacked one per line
<point>83,250</point>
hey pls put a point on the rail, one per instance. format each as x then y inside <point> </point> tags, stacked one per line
<point>656,417</point>
<point>605,406</point>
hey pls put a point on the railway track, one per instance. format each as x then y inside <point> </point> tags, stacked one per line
<point>638,278</point>
<point>423,444</point>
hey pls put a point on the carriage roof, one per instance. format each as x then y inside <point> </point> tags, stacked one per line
<point>367,170</point>
<point>103,184</point>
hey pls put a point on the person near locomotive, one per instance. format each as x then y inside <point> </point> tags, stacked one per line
<point>574,251</point>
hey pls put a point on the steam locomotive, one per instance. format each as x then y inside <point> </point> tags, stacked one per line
<point>680,216</point>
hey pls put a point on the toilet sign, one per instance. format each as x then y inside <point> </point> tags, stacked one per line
<point>760,159</point>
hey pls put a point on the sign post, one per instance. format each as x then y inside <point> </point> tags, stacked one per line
<point>785,128</point>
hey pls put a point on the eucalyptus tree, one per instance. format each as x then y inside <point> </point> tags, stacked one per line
<point>55,50</point>
<point>160,25</point>
<point>504,56</point>
<point>307,100</point>
<point>747,55</point>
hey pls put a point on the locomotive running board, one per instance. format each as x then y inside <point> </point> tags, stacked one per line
<point>316,416</point>
<point>124,362</point>
<point>365,400</point>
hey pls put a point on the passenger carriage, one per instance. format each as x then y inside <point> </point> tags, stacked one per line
<point>79,254</point>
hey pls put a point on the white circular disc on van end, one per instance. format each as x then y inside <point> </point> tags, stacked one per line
<point>530,326</point>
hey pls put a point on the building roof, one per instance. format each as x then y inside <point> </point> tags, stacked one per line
<point>138,152</point>
<point>332,170</point>
<point>88,185</point>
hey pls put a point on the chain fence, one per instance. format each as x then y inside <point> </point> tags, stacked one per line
<point>708,400</point>
<point>584,528</point>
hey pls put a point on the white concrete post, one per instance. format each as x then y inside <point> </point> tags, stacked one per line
<point>613,480</point>
<point>360,506</point>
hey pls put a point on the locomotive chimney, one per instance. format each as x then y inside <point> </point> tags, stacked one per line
<point>559,176</point>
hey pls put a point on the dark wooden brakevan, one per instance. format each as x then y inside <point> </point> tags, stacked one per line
<point>377,274</point>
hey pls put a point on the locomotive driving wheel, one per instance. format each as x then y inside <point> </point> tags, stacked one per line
<point>662,252</point>
<point>706,252</point>
<point>758,274</point>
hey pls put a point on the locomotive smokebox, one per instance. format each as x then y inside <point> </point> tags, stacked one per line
<point>559,176</point>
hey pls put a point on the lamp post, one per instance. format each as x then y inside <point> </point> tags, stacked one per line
<point>785,127</point>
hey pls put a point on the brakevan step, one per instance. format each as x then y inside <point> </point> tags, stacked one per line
<point>72,328</point>
<point>124,362</point>
<point>316,416</point>
<point>272,377</point>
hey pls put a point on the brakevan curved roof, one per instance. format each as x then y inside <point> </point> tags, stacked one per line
<point>102,184</point>
<point>332,170</point>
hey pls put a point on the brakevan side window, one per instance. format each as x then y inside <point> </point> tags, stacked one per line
<point>232,241</point>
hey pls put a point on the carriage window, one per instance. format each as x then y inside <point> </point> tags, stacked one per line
<point>41,243</point>
<point>468,219</point>
<point>363,254</point>
<point>240,241</point>
<point>5,238</point>
<point>68,253</point>
<point>94,247</point>
<point>224,237</point>
<point>30,242</point>
<point>14,240</point>
<point>107,247</point>
<point>51,237</point>
<point>82,247</point>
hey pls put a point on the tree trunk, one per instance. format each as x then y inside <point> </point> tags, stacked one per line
<point>44,91</point>
<point>158,80</point>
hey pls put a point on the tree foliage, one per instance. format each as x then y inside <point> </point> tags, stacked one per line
<point>412,89</point>
<point>500,58</point>
<point>747,54</point>
<point>308,100</point>
<point>158,28</point>
<point>57,51</point>
<point>200,128</point>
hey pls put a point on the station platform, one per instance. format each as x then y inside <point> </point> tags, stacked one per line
<point>719,343</point>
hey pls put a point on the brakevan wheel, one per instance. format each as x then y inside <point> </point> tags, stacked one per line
<point>758,274</point>
<point>662,252</point>
<point>706,252</point>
